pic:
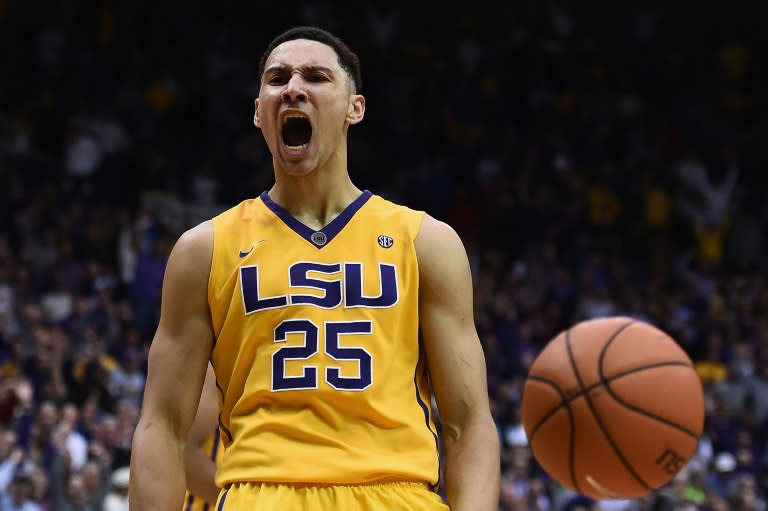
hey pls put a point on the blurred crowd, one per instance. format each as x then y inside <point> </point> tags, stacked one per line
<point>596,159</point>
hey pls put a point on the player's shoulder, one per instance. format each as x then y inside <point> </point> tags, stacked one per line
<point>194,245</point>
<point>433,230</point>
<point>428,229</point>
<point>396,219</point>
<point>242,210</point>
<point>379,202</point>
<point>438,243</point>
<point>197,235</point>
<point>385,208</point>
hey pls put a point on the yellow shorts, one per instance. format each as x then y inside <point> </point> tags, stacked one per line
<point>368,497</point>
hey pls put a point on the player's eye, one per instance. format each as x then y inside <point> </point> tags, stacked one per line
<point>317,77</point>
<point>276,80</point>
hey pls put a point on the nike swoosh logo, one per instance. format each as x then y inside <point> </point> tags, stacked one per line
<point>245,254</point>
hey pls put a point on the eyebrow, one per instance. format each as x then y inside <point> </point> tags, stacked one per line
<point>304,69</point>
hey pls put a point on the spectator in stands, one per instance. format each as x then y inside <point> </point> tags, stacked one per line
<point>19,496</point>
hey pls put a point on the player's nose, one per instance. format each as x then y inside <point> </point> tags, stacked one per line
<point>294,90</point>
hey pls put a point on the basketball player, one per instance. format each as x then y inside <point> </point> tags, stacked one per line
<point>204,451</point>
<point>328,314</point>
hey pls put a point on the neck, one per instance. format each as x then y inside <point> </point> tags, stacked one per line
<point>313,200</point>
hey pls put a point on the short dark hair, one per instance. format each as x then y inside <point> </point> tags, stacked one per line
<point>348,60</point>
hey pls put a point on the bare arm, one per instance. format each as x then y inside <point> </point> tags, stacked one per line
<point>457,369</point>
<point>177,364</point>
<point>200,468</point>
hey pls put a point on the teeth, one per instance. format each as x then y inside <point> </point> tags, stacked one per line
<point>293,116</point>
<point>297,147</point>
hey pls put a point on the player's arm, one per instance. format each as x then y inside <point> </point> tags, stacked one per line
<point>200,468</point>
<point>457,369</point>
<point>178,358</point>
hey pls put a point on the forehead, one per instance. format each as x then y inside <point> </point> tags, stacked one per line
<point>303,52</point>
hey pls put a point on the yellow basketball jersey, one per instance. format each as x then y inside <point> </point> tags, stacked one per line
<point>317,351</point>
<point>214,447</point>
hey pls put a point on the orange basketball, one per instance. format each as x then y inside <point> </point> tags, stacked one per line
<point>612,408</point>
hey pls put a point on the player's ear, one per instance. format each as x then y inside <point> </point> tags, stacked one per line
<point>356,109</point>
<point>256,113</point>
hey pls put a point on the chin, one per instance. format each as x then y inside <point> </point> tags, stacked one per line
<point>299,168</point>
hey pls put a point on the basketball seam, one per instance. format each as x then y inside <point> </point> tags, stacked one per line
<point>565,402</point>
<point>607,384</point>
<point>591,405</point>
<point>567,399</point>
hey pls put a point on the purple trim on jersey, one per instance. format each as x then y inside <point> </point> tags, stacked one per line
<point>225,430</point>
<point>216,440</point>
<point>221,501</point>
<point>221,424</point>
<point>425,409</point>
<point>331,230</point>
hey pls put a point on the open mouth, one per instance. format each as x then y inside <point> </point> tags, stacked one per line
<point>297,132</point>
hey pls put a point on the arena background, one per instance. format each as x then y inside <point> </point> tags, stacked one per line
<point>597,159</point>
